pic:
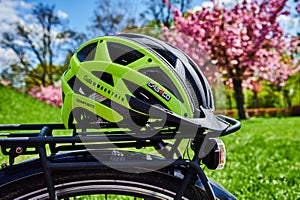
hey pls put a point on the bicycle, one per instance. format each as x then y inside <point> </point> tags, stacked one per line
<point>98,151</point>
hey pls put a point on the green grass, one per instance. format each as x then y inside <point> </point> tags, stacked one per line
<point>19,108</point>
<point>16,107</point>
<point>263,158</point>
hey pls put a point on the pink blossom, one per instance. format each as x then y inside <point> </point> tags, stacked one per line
<point>234,62</point>
<point>298,8</point>
<point>51,95</point>
<point>5,82</point>
<point>247,37</point>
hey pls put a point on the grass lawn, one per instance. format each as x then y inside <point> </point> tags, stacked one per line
<point>263,158</point>
<point>17,108</point>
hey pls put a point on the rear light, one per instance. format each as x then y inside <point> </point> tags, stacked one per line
<point>216,157</point>
<point>222,155</point>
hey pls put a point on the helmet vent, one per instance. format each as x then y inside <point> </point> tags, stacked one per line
<point>71,82</point>
<point>192,87</point>
<point>170,57</point>
<point>79,87</point>
<point>87,53</point>
<point>104,76</point>
<point>205,86</point>
<point>122,54</point>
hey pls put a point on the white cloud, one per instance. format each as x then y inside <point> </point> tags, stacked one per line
<point>289,24</point>
<point>207,4</point>
<point>7,57</point>
<point>18,11</point>
<point>62,14</point>
<point>24,5</point>
<point>229,3</point>
<point>9,15</point>
<point>8,12</point>
<point>226,3</point>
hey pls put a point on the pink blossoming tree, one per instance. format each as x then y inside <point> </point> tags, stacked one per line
<point>241,41</point>
<point>51,95</point>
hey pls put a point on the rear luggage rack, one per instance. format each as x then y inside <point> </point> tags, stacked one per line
<point>17,143</point>
<point>34,142</point>
<point>29,139</point>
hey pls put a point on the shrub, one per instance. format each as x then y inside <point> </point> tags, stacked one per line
<point>50,95</point>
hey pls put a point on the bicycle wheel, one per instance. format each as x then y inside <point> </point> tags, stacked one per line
<point>104,183</point>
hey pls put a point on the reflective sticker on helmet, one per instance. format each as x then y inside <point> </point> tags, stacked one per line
<point>159,91</point>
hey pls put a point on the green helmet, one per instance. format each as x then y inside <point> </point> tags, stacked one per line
<point>116,79</point>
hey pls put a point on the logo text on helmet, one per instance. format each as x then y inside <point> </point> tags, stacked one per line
<point>159,91</point>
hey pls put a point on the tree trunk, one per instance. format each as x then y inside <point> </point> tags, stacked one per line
<point>255,100</point>
<point>229,101</point>
<point>239,97</point>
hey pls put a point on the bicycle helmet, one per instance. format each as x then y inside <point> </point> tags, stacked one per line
<point>114,78</point>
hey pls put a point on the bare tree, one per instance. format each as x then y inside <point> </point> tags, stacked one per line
<point>160,11</point>
<point>109,20</point>
<point>36,44</point>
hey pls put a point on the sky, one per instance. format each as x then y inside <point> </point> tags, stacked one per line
<point>79,13</point>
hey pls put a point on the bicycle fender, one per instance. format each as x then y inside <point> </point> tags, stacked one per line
<point>32,167</point>
<point>220,192</point>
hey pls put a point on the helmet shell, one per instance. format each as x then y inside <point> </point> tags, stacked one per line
<point>108,77</point>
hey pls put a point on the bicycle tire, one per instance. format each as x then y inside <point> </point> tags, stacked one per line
<point>150,185</point>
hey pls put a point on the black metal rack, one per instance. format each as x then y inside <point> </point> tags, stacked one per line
<point>18,142</point>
